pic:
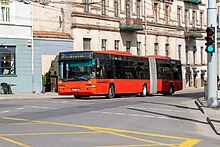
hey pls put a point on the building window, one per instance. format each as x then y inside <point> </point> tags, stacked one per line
<point>155,11</point>
<point>86,6</point>
<point>5,11</point>
<point>138,48</point>
<point>7,60</point>
<point>179,51</point>
<point>117,45</point>
<point>166,14</point>
<point>194,19</point>
<point>104,44</point>
<point>103,7</point>
<point>201,54</point>
<point>187,55</point>
<point>201,19</point>
<point>167,50</point>
<point>194,55</point>
<point>186,18</point>
<point>128,46</point>
<point>138,9</point>
<point>179,16</point>
<point>86,44</point>
<point>156,48</point>
<point>127,8</point>
<point>116,8</point>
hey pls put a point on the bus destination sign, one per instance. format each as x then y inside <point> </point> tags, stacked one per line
<point>75,55</point>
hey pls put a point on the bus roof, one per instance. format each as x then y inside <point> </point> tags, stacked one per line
<point>114,52</point>
<point>159,57</point>
<point>123,53</point>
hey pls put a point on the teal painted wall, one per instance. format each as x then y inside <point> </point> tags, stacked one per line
<point>23,65</point>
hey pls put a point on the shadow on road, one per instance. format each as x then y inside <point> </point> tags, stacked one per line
<point>173,105</point>
<point>170,116</point>
<point>189,95</point>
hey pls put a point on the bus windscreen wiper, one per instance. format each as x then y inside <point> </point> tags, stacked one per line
<point>69,79</point>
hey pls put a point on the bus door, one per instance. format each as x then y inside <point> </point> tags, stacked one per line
<point>153,75</point>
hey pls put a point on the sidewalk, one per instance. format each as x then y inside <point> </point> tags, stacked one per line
<point>47,95</point>
<point>212,114</point>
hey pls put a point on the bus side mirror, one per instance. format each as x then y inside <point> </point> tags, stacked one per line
<point>93,62</point>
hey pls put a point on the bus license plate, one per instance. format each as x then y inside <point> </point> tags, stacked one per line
<point>75,89</point>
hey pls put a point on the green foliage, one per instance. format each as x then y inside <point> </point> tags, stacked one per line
<point>44,79</point>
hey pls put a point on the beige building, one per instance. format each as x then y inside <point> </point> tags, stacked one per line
<point>173,28</point>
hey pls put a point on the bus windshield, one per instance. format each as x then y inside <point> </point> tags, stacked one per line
<point>76,70</point>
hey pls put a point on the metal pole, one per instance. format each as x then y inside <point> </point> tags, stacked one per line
<point>212,57</point>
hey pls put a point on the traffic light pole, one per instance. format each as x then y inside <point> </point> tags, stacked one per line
<point>212,57</point>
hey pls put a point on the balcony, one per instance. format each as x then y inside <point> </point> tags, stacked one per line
<point>194,1</point>
<point>131,24</point>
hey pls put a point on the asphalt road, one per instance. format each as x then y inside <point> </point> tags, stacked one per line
<point>121,122</point>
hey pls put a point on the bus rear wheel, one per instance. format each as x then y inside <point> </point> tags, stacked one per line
<point>111,92</point>
<point>171,90</point>
<point>144,91</point>
<point>77,96</point>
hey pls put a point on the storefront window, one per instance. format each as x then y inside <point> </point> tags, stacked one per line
<point>7,60</point>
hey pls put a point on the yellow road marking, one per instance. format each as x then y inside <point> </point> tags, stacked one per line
<point>14,142</point>
<point>135,145</point>
<point>48,133</point>
<point>189,142</point>
<point>9,118</point>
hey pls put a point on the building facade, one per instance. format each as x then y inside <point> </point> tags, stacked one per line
<point>16,53</point>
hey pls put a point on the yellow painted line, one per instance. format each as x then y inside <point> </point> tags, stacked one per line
<point>14,142</point>
<point>10,118</point>
<point>103,130</point>
<point>23,123</point>
<point>140,139</point>
<point>135,145</point>
<point>189,143</point>
<point>48,133</point>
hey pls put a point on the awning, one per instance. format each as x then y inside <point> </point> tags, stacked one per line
<point>194,1</point>
<point>130,27</point>
<point>193,35</point>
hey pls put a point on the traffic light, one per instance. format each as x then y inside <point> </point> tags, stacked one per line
<point>210,40</point>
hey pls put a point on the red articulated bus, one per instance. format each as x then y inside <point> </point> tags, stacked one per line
<point>115,73</point>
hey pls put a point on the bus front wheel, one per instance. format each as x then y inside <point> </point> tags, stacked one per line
<point>111,92</point>
<point>170,92</point>
<point>144,91</point>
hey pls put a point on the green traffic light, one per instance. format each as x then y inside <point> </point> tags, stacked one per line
<point>210,49</point>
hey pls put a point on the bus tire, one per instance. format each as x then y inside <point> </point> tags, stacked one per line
<point>171,90</point>
<point>144,91</point>
<point>111,92</point>
<point>77,96</point>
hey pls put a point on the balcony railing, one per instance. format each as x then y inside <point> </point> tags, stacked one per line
<point>194,1</point>
<point>131,24</point>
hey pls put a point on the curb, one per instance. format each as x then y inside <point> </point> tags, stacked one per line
<point>197,102</point>
<point>199,105</point>
<point>212,126</point>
